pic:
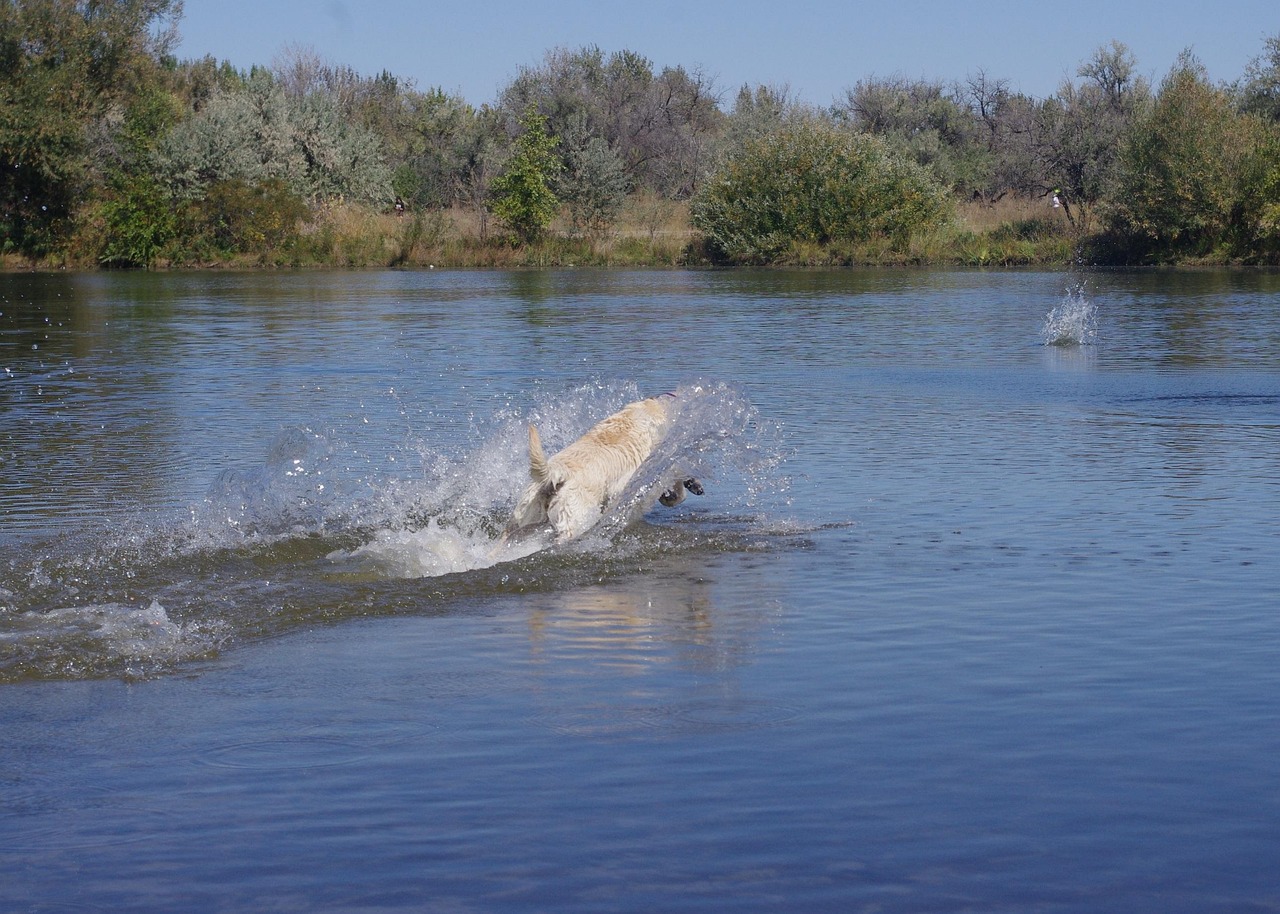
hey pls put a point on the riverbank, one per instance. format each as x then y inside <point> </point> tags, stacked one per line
<point>650,232</point>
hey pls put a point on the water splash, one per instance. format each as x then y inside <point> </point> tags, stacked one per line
<point>1073,322</point>
<point>453,521</point>
<point>322,531</point>
<point>292,491</point>
<point>431,551</point>
<point>72,641</point>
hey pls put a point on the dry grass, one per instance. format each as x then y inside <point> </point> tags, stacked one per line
<point>650,231</point>
<point>984,218</point>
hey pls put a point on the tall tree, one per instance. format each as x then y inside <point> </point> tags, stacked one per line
<point>592,183</point>
<point>660,125</point>
<point>1186,168</point>
<point>758,112</point>
<point>522,194</point>
<point>65,66</point>
<point>1260,89</point>
<point>1083,128</point>
<point>926,120</point>
<point>430,144</point>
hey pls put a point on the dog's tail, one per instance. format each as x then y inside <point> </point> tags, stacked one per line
<point>537,460</point>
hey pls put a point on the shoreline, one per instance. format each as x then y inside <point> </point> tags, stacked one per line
<point>1004,235</point>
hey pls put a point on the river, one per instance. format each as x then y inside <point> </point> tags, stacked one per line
<point>978,612</point>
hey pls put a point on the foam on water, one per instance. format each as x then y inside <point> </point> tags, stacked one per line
<point>274,546</point>
<point>1073,321</point>
<point>73,641</point>
<point>430,552</point>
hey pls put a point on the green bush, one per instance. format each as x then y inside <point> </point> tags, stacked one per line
<point>522,194</point>
<point>139,222</point>
<point>1256,235</point>
<point>237,217</point>
<point>249,218</point>
<point>1194,178</point>
<point>813,183</point>
<point>257,132</point>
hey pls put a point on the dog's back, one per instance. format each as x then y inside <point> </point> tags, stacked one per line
<point>614,448</point>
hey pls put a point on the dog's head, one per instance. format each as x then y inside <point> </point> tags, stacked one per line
<point>659,410</point>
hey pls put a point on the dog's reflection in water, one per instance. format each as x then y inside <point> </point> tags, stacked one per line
<point>633,624</point>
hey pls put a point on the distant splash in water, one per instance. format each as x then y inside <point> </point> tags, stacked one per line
<point>1073,322</point>
<point>316,532</point>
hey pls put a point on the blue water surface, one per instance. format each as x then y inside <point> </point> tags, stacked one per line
<point>973,617</point>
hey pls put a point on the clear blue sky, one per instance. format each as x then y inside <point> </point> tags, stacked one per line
<point>817,47</point>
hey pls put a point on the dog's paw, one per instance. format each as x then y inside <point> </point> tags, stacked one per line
<point>673,497</point>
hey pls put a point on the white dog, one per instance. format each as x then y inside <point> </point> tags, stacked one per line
<point>571,491</point>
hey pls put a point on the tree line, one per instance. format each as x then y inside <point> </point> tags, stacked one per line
<point>113,150</point>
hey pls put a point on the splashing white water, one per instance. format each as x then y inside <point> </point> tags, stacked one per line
<point>430,552</point>
<point>301,535</point>
<point>453,520</point>
<point>1073,322</point>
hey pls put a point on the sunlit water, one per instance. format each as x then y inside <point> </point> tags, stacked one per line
<point>978,612</point>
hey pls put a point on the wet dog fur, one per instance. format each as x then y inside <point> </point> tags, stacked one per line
<point>569,492</point>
